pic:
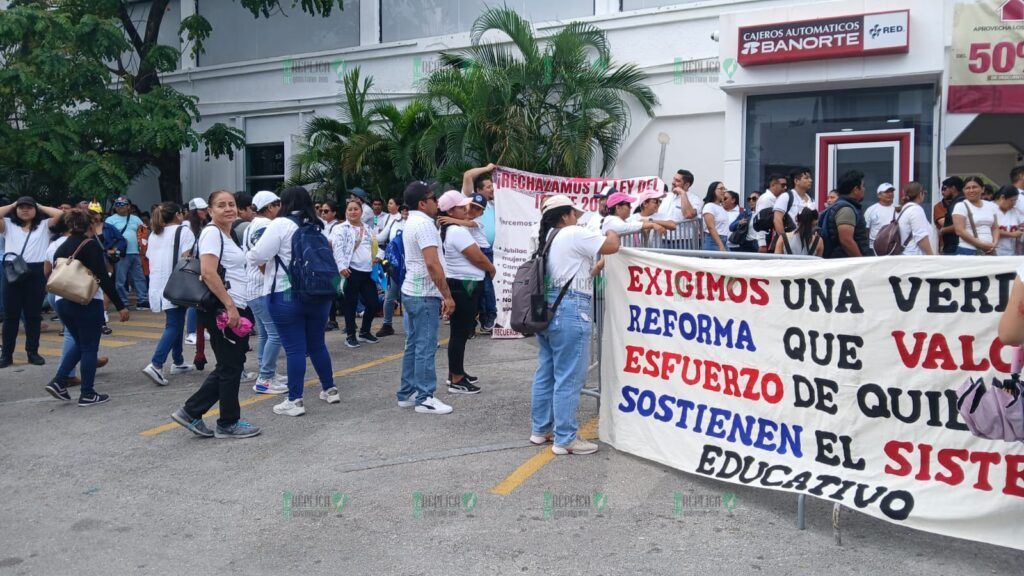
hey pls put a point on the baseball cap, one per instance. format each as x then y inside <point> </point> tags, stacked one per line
<point>650,195</point>
<point>264,198</point>
<point>558,201</point>
<point>607,191</point>
<point>478,199</point>
<point>197,204</point>
<point>120,202</point>
<point>26,201</point>
<point>451,199</point>
<point>359,193</point>
<point>618,198</point>
<point>885,187</point>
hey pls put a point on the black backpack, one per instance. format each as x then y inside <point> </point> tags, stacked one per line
<point>764,221</point>
<point>530,313</point>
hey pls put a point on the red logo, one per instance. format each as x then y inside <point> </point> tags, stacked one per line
<point>1012,11</point>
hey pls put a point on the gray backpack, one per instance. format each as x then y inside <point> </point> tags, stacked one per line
<point>530,313</point>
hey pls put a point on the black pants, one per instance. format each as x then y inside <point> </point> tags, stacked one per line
<point>222,383</point>
<point>466,294</point>
<point>359,286</point>
<point>24,298</point>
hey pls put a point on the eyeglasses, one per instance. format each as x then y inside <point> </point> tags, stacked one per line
<point>326,211</point>
<point>753,199</point>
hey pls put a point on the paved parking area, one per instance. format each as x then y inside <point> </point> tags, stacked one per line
<point>364,487</point>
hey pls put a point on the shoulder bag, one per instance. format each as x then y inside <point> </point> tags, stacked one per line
<point>72,280</point>
<point>185,286</point>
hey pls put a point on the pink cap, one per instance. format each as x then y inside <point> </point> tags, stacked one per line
<point>618,198</point>
<point>451,199</point>
<point>650,195</point>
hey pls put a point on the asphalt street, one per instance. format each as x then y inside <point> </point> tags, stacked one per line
<point>365,487</point>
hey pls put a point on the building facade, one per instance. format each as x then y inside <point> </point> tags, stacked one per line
<point>747,87</point>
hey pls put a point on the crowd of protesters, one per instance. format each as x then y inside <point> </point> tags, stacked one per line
<point>428,254</point>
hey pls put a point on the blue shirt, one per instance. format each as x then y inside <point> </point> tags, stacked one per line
<point>130,232</point>
<point>488,220</point>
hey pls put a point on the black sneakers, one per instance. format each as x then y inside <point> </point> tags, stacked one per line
<point>92,399</point>
<point>351,342</point>
<point>463,387</point>
<point>57,390</point>
<point>385,330</point>
<point>36,359</point>
<point>368,338</point>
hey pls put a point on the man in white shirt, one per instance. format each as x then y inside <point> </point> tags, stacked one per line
<point>794,201</point>
<point>683,205</point>
<point>425,298</point>
<point>1017,180</point>
<point>776,184</point>
<point>882,213</point>
<point>594,220</point>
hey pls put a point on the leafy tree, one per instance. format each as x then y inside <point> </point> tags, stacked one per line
<point>83,104</point>
<point>552,107</point>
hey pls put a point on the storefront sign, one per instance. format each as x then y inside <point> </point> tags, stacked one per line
<point>986,69</point>
<point>839,37</point>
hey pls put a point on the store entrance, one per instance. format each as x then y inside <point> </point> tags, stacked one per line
<point>882,155</point>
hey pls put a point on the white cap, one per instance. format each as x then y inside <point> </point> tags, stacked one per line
<point>263,198</point>
<point>885,187</point>
<point>197,204</point>
<point>557,201</point>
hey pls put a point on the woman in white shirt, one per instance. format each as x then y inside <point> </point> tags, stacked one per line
<point>565,343</point>
<point>389,224</point>
<point>268,342</point>
<point>25,226</point>
<point>465,267</point>
<point>169,242</point>
<point>217,251</point>
<point>299,324</point>
<point>914,223</point>
<point>803,241</point>
<point>327,211</point>
<point>975,221</point>
<point>716,218</point>
<point>1009,221</point>
<point>619,220</point>
<point>353,243</point>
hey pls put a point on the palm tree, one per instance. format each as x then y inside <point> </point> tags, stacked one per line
<point>539,106</point>
<point>391,150</point>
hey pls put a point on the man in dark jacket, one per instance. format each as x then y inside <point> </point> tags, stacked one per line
<point>847,231</point>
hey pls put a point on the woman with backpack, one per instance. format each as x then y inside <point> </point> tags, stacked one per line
<point>913,222</point>
<point>222,265</point>
<point>300,324</point>
<point>804,241</point>
<point>169,242</point>
<point>353,243</point>
<point>466,267</point>
<point>25,227</point>
<point>565,343</point>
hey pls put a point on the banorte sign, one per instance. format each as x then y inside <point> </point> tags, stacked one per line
<point>837,37</point>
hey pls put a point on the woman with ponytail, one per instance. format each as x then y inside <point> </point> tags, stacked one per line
<point>803,241</point>
<point>169,241</point>
<point>565,343</point>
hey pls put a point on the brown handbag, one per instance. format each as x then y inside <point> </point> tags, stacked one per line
<point>72,280</point>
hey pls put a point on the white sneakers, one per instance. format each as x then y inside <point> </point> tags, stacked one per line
<point>331,396</point>
<point>577,446</point>
<point>270,386</point>
<point>290,408</point>
<point>155,374</point>
<point>433,406</point>
<point>181,368</point>
<point>541,439</point>
<point>406,403</point>
<point>190,339</point>
<point>248,376</point>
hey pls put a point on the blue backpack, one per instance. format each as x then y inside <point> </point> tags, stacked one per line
<point>395,256</point>
<point>313,271</point>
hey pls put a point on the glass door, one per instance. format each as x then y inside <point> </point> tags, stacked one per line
<point>882,155</point>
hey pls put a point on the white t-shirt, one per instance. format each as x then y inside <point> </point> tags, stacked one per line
<point>161,259</point>
<point>621,226</point>
<point>877,216</point>
<point>1009,221</point>
<point>232,259</point>
<point>420,232</point>
<point>456,265</point>
<point>274,244</point>
<point>38,241</point>
<point>330,226</point>
<point>257,286</point>
<point>573,253</point>
<point>766,200</point>
<point>479,233</point>
<point>384,221</point>
<point>798,203</point>
<point>368,215</point>
<point>984,219</point>
<point>721,219</point>
<point>352,247</point>
<point>914,223</point>
<point>51,250</point>
<point>673,206</point>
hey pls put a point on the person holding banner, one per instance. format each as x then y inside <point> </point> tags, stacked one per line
<point>975,221</point>
<point>619,207</point>
<point>649,204</point>
<point>565,343</point>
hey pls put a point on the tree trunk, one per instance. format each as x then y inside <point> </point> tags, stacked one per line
<point>169,165</point>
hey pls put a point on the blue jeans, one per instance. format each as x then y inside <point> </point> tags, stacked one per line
<point>85,324</point>
<point>190,321</point>
<point>300,326</point>
<point>488,305</point>
<point>391,298</point>
<point>966,250</point>
<point>170,340</point>
<point>421,316</point>
<point>132,264</point>
<point>709,243</point>
<point>268,344</point>
<point>69,340</point>
<point>562,368</point>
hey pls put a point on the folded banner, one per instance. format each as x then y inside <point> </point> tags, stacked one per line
<point>517,200</point>
<point>833,378</point>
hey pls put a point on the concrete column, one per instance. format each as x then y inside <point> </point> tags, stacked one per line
<point>369,22</point>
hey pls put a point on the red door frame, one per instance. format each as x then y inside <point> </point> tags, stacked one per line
<point>905,137</point>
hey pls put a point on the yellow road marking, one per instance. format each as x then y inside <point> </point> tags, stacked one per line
<point>262,397</point>
<point>104,342</point>
<point>136,333</point>
<point>514,480</point>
